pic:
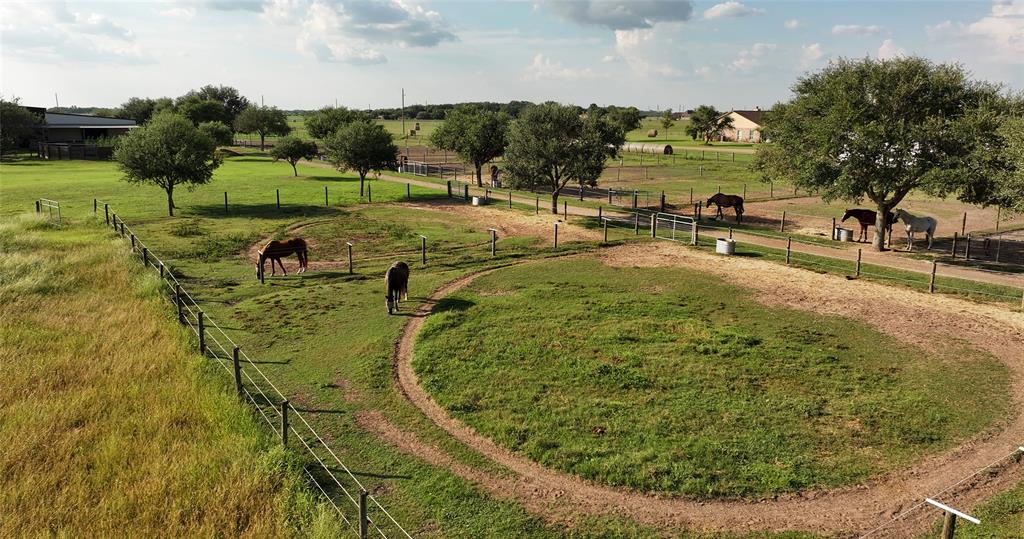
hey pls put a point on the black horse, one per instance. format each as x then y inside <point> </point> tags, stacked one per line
<point>867,218</point>
<point>727,201</point>
<point>396,282</point>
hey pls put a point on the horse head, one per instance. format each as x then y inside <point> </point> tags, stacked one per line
<point>389,301</point>
<point>846,216</point>
<point>710,201</point>
<point>896,215</point>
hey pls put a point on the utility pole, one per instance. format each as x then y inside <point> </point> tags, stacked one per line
<point>56,100</point>
<point>404,132</point>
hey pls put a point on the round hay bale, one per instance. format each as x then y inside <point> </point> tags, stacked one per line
<point>652,133</point>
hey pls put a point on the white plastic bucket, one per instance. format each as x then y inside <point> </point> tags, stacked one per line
<point>476,201</point>
<point>724,246</point>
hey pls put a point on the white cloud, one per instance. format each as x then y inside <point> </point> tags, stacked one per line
<point>938,29</point>
<point>792,24</point>
<point>184,13</point>
<point>811,55</point>
<point>645,52</point>
<point>730,9</point>
<point>343,31</point>
<point>856,30</point>
<point>52,33</point>
<point>544,68</point>
<point>890,50</point>
<point>751,58</point>
<point>619,15</point>
<point>610,58</point>
<point>1003,29</point>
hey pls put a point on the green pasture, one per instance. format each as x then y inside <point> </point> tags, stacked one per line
<point>1001,516</point>
<point>677,136</point>
<point>673,381</point>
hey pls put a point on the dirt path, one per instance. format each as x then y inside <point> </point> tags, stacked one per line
<point>918,318</point>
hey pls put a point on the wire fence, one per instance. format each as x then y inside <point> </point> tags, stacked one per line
<point>45,205</point>
<point>361,511</point>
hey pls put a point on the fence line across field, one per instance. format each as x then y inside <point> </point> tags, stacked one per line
<point>206,328</point>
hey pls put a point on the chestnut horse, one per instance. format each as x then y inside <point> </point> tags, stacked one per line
<point>396,283</point>
<point>867,218</point>
<point>727,201</point>
<point>276,250</point>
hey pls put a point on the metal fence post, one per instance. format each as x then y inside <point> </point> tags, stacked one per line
<point>423,248</point>
<point>369,193</point>
<point>238,371</point>
<point>284,422</point>
<point>327,200</point>
<point>278,191</point>
<point>408,191</point>
<point>364,522</point>
<point>695,233</point>
<point>161,270</point>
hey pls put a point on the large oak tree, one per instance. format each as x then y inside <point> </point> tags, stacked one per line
<point>551,145</point>
<point>263,121</point>
<point>475,134</point>
<point>361,146</point>
<point>879,129</point>
<point>167,152</point>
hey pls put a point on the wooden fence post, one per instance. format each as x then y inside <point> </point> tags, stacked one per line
<point>178,303</point>
<point>145,257</point>
<point>771,189</point>
<point>284,422</point>
<point>634,198</point>
<point>494,241</point>
<point>161,270</point>
<point>691,195</point>
<point>349,257</point>
<point>967,250</point>
<point>663,201</point>
<point>202,332</point>
<point>449,189</point>
<point>600,211</point>
<point>834,237</point>
<point>782,225</point>
<point>565,209</point>
<point>466,192</point>
<point>536,210</point>
<point>744,186</point>
<point>953,250</point>
<point>95,206</point>
<point>369,193</point>
<point>510,199</point>
<point>730,233</point>
<point>694,233</point>
<point>931,280</point>
<point>238,371</point>
<point>789,247</point>
<point>858,263</point>
<point>949,526</point>
<point>963,225</point>
<point>408,191</point>
<point>133,243</point>
<point>39,208</point>
<point>556,235</point>
<point>636,223</point>
<point>106,212</point>
<point>278,198</point>
<point>364,522</point>
<point>423,248</point>
<point>609,197</point>
<point>605,223</point>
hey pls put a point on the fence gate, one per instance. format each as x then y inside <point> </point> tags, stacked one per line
<point>672,227</point>
<point>51,207</point>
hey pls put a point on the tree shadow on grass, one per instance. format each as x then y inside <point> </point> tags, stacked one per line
<point>261,211</point>
<point>452,304</point>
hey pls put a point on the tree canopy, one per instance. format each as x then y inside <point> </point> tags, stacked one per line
<point>666,121</point>
<point>879,129</point>
<point>167,152</point>
<point>202,110</point>
<point>706,122</point>
<point>475,134</point>
<point>326,121</point>
<point>293,149</point>
<point>18,125</point>
<point>262,121</point>
<point>551,145</point>
<point>220,134</point>
<point>361,146</point>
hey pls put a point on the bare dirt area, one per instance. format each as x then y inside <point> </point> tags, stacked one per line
<point>921,319</point>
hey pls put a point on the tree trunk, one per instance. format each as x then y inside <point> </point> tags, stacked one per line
<point>554,202</point>
<point>479,176</point>
<point>170,201</point>
<point>295,171</point>
<point>882,211</point>
<point>262,139</point>
<point>362,178</point>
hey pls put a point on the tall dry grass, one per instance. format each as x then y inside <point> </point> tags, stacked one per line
<point>110,424</point>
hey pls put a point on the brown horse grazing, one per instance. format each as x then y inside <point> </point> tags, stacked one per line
<point>276,250</point>
<point>727,201</point>
<point>867,218</point>
<point>396,283</point>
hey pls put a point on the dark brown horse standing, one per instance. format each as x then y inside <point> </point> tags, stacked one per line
<point>867,218</point>
<point>276,250</point>
<point>727,201</point>
<point>396,283</point>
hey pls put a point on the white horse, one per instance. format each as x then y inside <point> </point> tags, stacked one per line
<point>916,224</point>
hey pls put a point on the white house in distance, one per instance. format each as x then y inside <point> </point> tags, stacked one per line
<point>746,126</point>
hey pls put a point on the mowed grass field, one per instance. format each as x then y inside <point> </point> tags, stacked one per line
<point>672,381</point>
<point>112,426</point>
<point>325,337</point>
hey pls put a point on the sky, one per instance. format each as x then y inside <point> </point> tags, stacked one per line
<point>653,54</point>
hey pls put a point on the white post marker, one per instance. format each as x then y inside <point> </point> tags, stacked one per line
<point>952,511</point>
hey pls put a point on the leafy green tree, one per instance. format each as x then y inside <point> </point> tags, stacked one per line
<point>18,125</point>
<point>167,152</point>
<point>293,149</point>
<point>361,146</point>
<point>883,128</point>
<point>706,123</point>
<point>262,121</point>
<point>551,145</point>
<point>326,121</point>
<point>1009,193</point>
<point>202,110</point>
<point>228,96</point>
<point>220,133</point>
<point>627,118</point>
<point>666,121</point>
<point>475,134</point>
<point>139,109</point>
